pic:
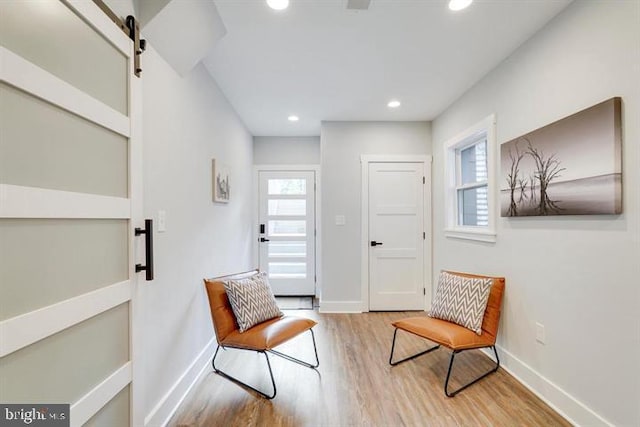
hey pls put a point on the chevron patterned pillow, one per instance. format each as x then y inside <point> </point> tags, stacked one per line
<point>251,300</point>
<point>461,300</point>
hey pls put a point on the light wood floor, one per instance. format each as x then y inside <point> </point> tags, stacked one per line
<point>355,385</point>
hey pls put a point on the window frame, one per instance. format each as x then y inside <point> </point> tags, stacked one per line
<point>453,179</point>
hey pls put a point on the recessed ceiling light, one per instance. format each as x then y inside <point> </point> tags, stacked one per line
<point>459,4</point>
<point>293,118</point>
<point>278,4</point>
<point>393,103</point>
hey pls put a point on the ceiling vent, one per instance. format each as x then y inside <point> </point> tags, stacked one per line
<point>358,4</point>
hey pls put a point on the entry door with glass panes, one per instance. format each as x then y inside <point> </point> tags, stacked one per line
<point>287,230</point>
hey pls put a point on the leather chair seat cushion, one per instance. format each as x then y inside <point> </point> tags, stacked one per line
<point>269,334</point>
<point>445,333</point>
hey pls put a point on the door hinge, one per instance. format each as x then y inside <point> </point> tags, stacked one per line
<point>424,180</point>
<point>424,291</point>
<point>424,235</point>
<point>315,279</point>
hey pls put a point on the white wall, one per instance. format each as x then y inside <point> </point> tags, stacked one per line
<point>187,122</point>
<point>342,143</point>
<point>579,276</point>
<point>286,150</point>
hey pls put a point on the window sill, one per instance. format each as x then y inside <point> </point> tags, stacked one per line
<point>488,236</point>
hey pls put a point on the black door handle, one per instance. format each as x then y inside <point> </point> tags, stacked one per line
<point>374,243</point>
<point>262,239</point>
<point>148,243</point>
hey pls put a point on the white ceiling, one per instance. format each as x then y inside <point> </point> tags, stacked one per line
<point>320,61</point>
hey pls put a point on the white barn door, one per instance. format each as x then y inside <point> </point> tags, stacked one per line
<point>70,198</point>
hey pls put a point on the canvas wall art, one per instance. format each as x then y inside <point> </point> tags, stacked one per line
<point>569,167</point>
<point>221,186</point>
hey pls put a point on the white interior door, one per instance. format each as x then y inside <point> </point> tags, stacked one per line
<point>396,236</point>
<point>287,230</point>
<point>69,197</point>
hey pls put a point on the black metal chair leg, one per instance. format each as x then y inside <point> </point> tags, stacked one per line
<point>393,345</point>
<point>453,355</point>
<point>237,381</point>
<point>277,353</point>
<point>298,361</point>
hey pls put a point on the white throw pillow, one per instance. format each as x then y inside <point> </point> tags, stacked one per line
<point>252,300</point>
<point>461,300</point>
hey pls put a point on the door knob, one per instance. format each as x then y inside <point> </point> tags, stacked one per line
<point>374,243</point>
<point>262,239</point>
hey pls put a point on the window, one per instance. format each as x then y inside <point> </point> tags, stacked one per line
<point>471,185</point>
<point>469,161</point>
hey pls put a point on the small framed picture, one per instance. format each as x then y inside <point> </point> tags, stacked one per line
<point>221,187</point>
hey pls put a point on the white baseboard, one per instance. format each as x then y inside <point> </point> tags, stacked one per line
<point>167,406</point>
<point>574,411</point>
<point>340,306</point>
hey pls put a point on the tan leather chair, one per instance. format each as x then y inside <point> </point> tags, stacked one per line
<point>261,338</point>
<point>456,337</point>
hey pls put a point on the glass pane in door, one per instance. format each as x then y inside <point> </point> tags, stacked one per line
<point>65,366</point>
<point>280,228</point>
<point>52,36</point>
<point>115,413</point>
<point>289,270</point>
<point>45,261</point>
<point>287,250</point>
<point>287,207</point>
<point>292,186</point>
<point>45,146</point>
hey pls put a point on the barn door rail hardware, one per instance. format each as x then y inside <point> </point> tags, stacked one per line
<point>131,27</point>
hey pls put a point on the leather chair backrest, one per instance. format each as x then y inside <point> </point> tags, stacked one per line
<point>224,321</point>
<point>491,319</point>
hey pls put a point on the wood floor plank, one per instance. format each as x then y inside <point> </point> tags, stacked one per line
<point>356,386</point>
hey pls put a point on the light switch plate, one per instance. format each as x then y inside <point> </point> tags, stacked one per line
<point>341,220</point>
